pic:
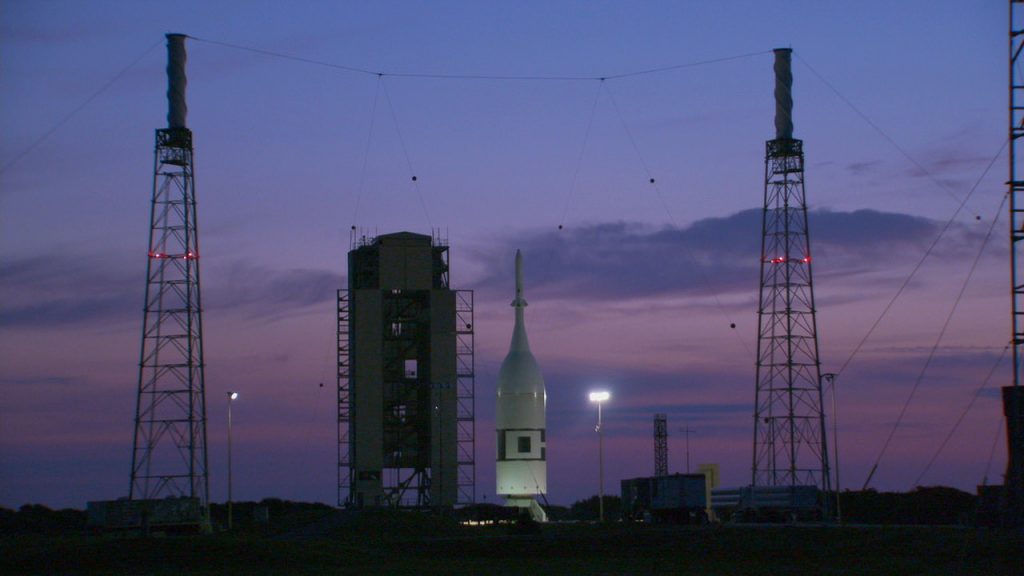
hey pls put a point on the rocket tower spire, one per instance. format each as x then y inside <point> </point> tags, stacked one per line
<point>519,302</point>
<point>520,418</point>
<point>520,343</point>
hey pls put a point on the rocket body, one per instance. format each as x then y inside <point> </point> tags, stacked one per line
<point>520,418</point>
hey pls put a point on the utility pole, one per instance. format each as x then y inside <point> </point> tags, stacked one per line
<point>830,378</point>
<point>686,433</point>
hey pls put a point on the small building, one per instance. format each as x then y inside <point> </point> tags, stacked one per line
<point>768,503</point>
<point>674,498</point>
<point>172,515</point>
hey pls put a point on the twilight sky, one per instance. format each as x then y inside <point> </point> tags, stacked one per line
<point>901,106</point>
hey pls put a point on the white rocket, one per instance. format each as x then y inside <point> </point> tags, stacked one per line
<point>522,473</point>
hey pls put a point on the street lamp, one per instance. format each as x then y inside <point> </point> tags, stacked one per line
<point>831,379</point>
<point>231,397</point>
<point>599,398</point>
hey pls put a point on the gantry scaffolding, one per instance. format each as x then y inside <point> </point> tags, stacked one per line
<point>169,451</point>
<point>789,425</point>
<point>465,366</point>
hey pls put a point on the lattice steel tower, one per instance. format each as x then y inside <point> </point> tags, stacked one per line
<point>789,425</point>
<point>169,453</point>
<point>1013,396</point>
<point>661,445</point>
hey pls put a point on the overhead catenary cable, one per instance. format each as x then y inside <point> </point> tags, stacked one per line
<point>960,419</point>
<point>881,132</point>
<point>938,341</point>
<point>366,152</point>
<point>920,262</point>
<point>659,70</point>
<point>992,450</point>
<point>284,56</point>
<point>687,65</point>
<point>405,151</point>
<point>653,181</point>
<point>446,76</point>
<point>64,120</point>
<point>579,160</point>
<point>640,157</point>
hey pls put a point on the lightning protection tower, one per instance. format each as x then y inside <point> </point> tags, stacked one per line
<point>789,426</point>
<point>169,453</point>
<point>661,445</point>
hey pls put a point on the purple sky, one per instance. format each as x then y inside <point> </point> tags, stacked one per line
<point>635,294</point>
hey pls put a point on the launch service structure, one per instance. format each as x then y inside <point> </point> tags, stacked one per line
<point>520,418</point>
<point>405,377</point>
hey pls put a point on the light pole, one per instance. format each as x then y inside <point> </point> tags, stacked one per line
<point>831,379</point>
<point>231,397</point>
<point>599,398</point>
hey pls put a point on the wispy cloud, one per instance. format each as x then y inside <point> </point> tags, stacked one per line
<point>864,167</point>
<point>260,291</point>
<point>62,289</point>
<point>713,255</point>
<point>59,289</point>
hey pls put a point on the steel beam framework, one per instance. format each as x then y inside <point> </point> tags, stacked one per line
<point>465,396</point>
<point>661,445</point>
<point>409,400</point>
<point>169,451</point>
<point>789,424</point>
<point>1013,397</point>
<point>344,401</point>
<point>1015,183</point>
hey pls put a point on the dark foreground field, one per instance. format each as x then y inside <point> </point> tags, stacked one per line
<point>418,544</point>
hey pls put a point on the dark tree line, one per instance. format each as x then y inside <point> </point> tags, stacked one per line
<point>933,505</point>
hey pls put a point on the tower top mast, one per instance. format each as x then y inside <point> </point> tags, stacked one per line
<point>177,81</point>
<point>783,94</point>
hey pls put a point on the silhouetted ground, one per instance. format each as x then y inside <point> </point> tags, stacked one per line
<point>320,540</point>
